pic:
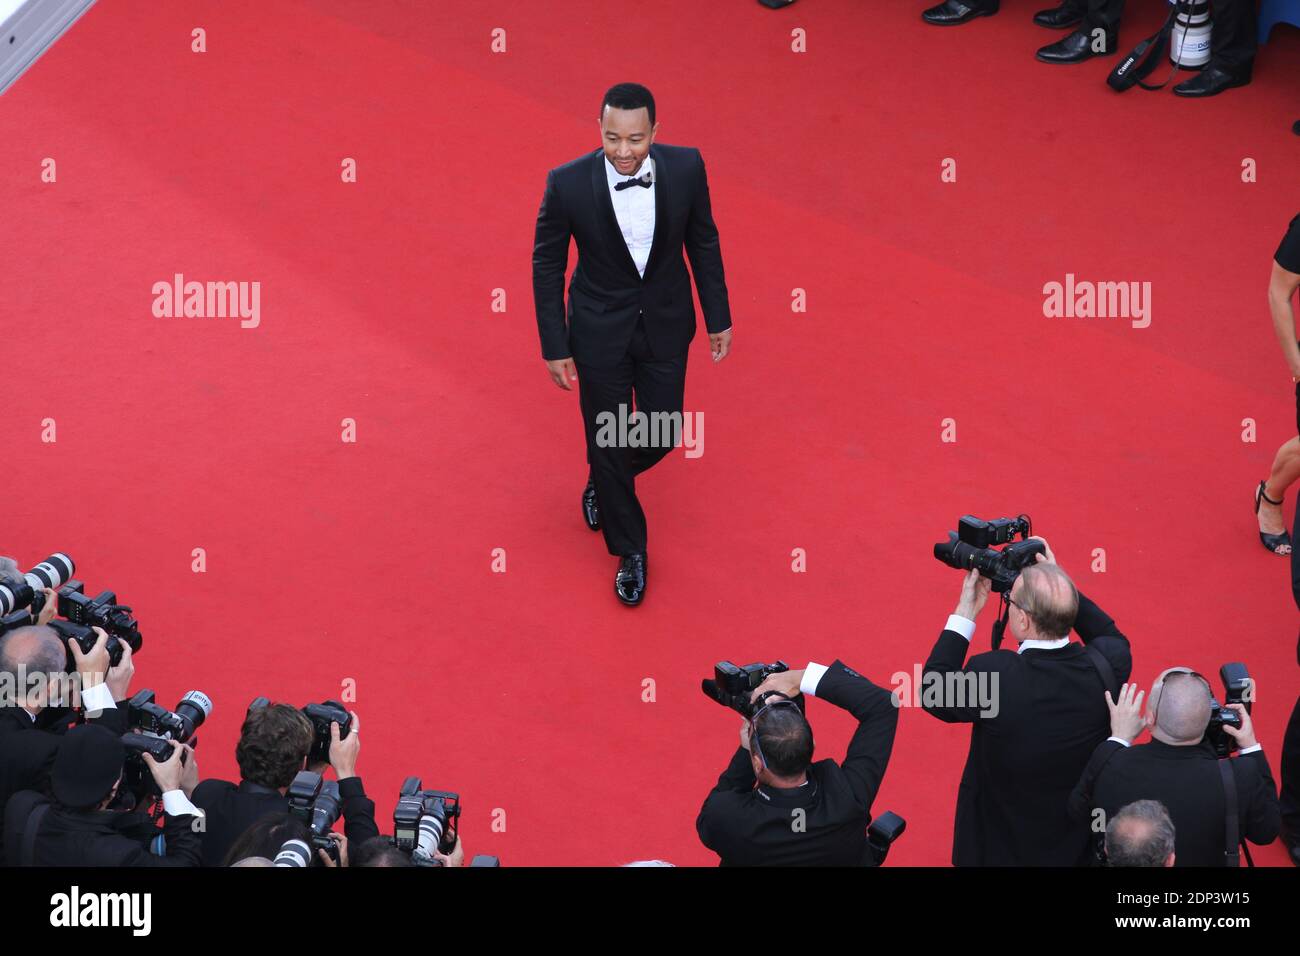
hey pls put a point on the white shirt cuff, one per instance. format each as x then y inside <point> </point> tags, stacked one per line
<point>1121,740</point>
<point>962,625</point>
<point>1249,750</point>
<point>97,698</point>
<point>812,676</point>
<point>177,804</point>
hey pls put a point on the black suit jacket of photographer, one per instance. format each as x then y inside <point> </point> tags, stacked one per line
<point>232,809</point>
<point>606,293</point>
<point>746,826</point>
<point>28,748</point>
<point>1187,781</point>
<point>1023,764</point>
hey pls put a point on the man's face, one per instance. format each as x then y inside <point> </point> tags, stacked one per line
<point>627,135</point>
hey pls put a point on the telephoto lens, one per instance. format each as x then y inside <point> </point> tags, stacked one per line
<point>430,836</point>
<point>294,853</point>
<point>193,709</point>
<point>54,572</point>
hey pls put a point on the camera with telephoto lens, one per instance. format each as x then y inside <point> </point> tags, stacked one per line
<point>425,821</point>
<point>1237,689</point>
<point>318,806</point>
<point>732,686</point>
<point>971,546</point>
<point>21,601</point>
<point>157,721</point>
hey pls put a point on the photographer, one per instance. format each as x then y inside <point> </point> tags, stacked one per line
<point>1180,768</point>
<point>82,828</point>
<point>1141,834</point>
<point>773,805</point>
<point>275,743</point>
<point>33,720</point>
<point>1046,716</point>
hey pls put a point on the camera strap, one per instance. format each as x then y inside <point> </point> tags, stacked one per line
<point>1107,672</point>
<point>1232,836</point>
<point>1138,65</point>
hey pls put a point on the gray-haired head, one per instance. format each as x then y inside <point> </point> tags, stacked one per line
<point>1141,834</point>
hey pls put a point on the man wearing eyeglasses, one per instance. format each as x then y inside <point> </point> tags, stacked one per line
<point>1030,743</point>
<point>773,806</point>
<point>1179,767</point>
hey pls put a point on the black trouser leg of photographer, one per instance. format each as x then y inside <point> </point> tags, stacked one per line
<point>1235,37</point>
<point>1103,15</point>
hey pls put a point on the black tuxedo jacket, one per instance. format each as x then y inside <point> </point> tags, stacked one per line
<point>1012,804</point>
<point>28,749</point>
<point>751,827</point>
<point>97,837</point>
<point>1186,780</point>
<point>606,293</point>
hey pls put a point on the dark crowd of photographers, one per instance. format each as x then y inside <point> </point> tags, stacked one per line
<point>92,774</point>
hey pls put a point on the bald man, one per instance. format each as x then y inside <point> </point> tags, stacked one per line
<point>1141,834</point>
<point>1036,717</point>
<point>1179,768</point>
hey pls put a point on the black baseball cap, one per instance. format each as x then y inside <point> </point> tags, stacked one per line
<point>88,764</point>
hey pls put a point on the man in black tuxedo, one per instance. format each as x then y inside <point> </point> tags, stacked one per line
<point>1179,767</point>
<point>631,206</point>
<point>1047,716</point>
<point>33,725</point>
<point>773,806</point>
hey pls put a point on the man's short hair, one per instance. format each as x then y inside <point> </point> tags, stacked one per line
<point>1050,599</point>
<point>1141,834</point>
<point>33,649</point>
<point>786,740</point>
<point>273,743</point>
<point>377,851</point>
<point>629,96</point>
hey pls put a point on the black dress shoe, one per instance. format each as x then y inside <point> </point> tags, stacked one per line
<point>1211,80</point>
<point>629,582</point>
<point>590,510</point>
<point>1059,18</point>
<point>1076,48</point>
<point>952,12</point>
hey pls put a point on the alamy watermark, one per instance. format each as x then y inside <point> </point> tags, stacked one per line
<point>638,429</point>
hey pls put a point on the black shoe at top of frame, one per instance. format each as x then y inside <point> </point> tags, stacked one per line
<point>1059,18</point>
<point>952,12</point>
<point>629,581</point>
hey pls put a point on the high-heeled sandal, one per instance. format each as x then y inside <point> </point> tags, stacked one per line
<point>1271,541</point>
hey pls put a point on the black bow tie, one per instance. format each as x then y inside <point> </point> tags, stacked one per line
<point>627,183</point>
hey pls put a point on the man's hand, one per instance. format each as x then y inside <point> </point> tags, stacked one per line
<point>343,753</point>
<point>49,609</point>
<point>1048,557</point>
<point>974,592</point>
<point>720,344</point>
<point>1245,737</point>
<point>1126,720</point>
<point>92,665</point>
<point>456,858</point>
<point>170,773</point>
<point>341,842</point>
<point>563,371</point>
<point>744,735</point>
<point>119,677</point>
<point>190,776</point>
<point>786,682</point>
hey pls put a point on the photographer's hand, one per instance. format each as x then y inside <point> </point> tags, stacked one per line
<point>456,858</point>
<point>786,682</point>
<point>92,665</point>
<point>170,772</point>
<point>1126,720</point>
<point>1245,737</point>
<point>1046,558</point>
<point>341,843</point>
<point>974,592</point>
<point>50,609</point>
<point>119,677</point>
<point>744,735</point>
<point>344,752</point>
<point>190,774</point>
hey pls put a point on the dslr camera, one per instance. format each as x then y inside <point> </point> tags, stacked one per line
<point>316,804</point>
<point>732,686</point>
<point>972,546</point>
<point>1237,689</point>
<point>425,821</point>
<point>156,728</point>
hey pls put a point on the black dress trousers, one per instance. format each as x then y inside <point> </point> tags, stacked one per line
<point>658,385</point>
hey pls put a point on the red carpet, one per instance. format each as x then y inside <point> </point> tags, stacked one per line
<point>371,562</point>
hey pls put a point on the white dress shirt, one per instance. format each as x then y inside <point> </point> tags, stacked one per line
<point>634,208</point>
